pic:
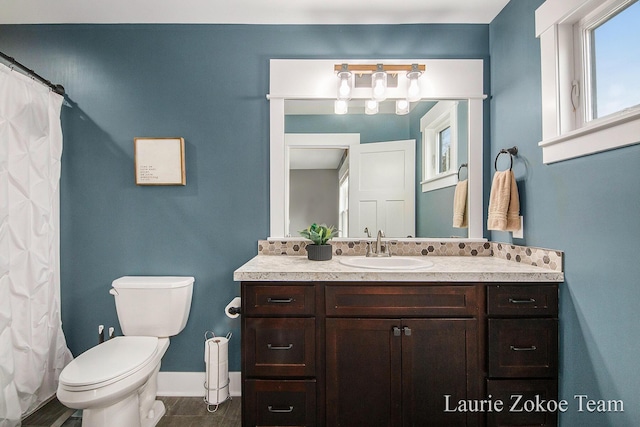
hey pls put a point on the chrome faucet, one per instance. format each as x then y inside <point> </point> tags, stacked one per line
<point>379,242</point>
<point>377,250</point>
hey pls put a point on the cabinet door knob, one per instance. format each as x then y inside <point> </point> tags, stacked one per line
<point>280,410</point>
<point>407,331</point>
<point>396,331</point>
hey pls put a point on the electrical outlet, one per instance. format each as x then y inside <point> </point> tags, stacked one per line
<point>520,233</point>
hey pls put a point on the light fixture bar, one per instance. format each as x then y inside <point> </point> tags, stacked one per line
<point>370,68</point>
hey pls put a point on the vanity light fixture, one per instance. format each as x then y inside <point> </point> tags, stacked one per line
<point>340,106</point>
<point>377,76</point>
<point>371,107</point>
<point>402,107</point>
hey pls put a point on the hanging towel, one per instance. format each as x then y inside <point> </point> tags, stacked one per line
<point>504,203</point>
<point>460,213</point>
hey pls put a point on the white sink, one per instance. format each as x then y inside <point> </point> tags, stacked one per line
<point>386,263</point>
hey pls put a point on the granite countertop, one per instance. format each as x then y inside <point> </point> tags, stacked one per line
<point>444,269</point>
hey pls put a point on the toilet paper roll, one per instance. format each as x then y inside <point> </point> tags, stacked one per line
<point>235,303</point>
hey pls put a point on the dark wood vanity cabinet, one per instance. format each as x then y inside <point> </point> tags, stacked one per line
<point>387,354</point>
<point>522,353</point>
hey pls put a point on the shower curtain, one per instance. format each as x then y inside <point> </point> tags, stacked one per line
<point>33,349</point>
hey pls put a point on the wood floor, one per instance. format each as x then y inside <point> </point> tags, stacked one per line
<point>181,411</point>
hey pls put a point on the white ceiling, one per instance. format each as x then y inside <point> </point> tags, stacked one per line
<point>250,11</point>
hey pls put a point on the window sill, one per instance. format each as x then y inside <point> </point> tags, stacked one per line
<point>608,133</point>
<point>446,179</point>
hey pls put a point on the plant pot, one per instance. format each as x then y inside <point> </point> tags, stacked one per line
<point>319,252</point>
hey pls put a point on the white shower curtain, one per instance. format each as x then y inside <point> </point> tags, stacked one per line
<point>33,350</point>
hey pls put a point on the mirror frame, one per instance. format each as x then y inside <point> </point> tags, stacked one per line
<point>444,79</point>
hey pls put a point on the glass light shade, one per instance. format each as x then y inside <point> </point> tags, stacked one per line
<point>340,106</point>
<point>379,85</point>
<point>371,106</point>
<point>413,91</point>
<point>402,107</point>
<point>345,85</point>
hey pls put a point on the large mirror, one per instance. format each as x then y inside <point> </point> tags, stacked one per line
<point>327,167</point>
<point>408,167</point>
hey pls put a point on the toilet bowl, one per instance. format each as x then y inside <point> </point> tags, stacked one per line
<point>115,383</point>
<point>107,382</point>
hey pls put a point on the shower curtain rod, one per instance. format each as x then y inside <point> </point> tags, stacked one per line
<point>59,89</point>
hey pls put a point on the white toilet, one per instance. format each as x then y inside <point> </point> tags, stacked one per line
<point>115,382</point>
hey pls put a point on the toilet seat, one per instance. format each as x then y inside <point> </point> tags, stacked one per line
<point>109,362</point>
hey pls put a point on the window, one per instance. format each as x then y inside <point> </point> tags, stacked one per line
<point>439,145</point>
<point>610,67</point>
<point>590,95</point>
<point>444,150</point>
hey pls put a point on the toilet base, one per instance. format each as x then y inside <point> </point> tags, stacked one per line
<point>125,413</point>
<point>157,411</point>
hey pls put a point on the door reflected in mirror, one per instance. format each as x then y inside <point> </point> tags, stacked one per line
<point>396,173</point>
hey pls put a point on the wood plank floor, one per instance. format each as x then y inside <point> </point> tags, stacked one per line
<point>181,411</point>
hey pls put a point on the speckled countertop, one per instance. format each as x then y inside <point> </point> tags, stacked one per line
<point>444,269</point>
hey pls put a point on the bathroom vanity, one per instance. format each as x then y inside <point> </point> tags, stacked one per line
<point>324,344</point>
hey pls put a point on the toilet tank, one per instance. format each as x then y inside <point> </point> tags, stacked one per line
<point>156,306</point>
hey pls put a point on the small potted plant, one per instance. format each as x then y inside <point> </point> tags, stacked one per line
<point>319,250</point>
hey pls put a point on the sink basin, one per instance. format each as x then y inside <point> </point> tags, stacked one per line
<point>386,263</point>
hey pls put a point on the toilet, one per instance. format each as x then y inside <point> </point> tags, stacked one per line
<point>115,382</point>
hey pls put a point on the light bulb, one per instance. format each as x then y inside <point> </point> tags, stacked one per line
<point>344,87</point>
<point>379,85</point>
<point>340,106</point>
<point>402,107</point>
<point>371,106</point>
<point>413,91</point>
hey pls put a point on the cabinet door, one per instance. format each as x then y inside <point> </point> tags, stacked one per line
<point>363,372</point>
<point>390,372</point>
<point>439,358</point>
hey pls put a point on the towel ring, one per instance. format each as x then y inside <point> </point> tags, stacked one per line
<point>513,151</point>
<point>464,165</point>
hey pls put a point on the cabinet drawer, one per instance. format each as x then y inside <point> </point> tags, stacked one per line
<point>280,347</point>
<point>515,412</point>
<point>401,300</point>
<point>278,300</point>
<point>522,300</point>
<point>523,348</point>
<point>279,403</point>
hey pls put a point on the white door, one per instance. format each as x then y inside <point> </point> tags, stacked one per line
<point>382,188</point>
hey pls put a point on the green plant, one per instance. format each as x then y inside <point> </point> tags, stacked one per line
<point>319,234</point>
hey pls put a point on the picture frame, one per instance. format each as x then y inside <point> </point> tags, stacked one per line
<point>159,161</point>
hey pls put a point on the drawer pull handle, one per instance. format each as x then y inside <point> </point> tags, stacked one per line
<point>279,300</point>
<point>279,347</point>
<point>522,301</point>
<point>280,410</point>
<point>532,348</point>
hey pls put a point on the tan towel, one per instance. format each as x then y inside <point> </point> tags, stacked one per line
<point>504,203</point>
<point>460,213</point>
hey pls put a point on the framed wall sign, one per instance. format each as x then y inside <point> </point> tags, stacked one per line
<point>159,161</point>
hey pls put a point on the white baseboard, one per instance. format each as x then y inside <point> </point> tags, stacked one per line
<point>192,384</point>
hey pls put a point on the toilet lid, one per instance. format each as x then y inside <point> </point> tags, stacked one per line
<point>115,358</point>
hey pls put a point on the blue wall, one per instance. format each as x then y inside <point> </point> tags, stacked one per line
<point>206,83</point>
<point>586,207</point>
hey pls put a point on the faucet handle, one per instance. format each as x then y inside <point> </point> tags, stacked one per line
<point>366,230</point>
